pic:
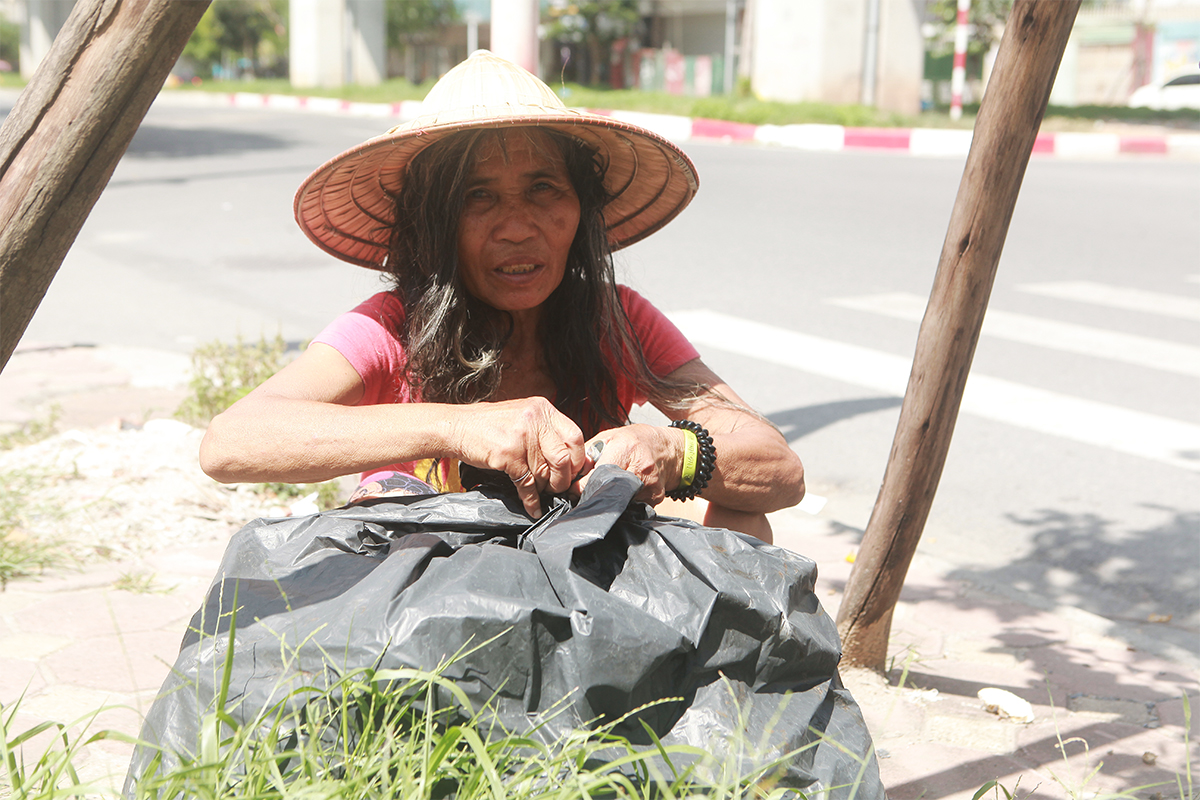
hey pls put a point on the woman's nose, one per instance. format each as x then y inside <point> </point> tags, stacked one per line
<point>517,220</point>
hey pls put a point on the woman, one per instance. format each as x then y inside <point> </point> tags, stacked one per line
<point>506,343</point>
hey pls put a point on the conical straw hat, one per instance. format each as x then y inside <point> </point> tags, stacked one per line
<point>347,205</point>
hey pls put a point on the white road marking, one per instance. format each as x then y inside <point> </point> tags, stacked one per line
<point>1133,432</point>
<point>1118,297</point>
<point>1141,351</point>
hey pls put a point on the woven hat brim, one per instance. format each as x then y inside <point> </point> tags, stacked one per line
<point>346,206</point>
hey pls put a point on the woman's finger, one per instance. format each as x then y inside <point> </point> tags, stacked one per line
<point>561,453</point>
<point>527,490</point>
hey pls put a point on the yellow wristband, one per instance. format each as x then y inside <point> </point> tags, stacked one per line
<point>691,454</point>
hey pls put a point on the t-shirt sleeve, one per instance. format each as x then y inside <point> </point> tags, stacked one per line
<point>665,347</point>
<point>366,337</point>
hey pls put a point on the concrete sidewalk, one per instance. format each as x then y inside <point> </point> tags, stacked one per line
<point>1106,717</point>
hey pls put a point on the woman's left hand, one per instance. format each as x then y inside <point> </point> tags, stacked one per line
<point>654,454</point>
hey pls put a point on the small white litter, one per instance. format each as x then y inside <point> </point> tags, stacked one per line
<point>1006,704</point>
<point>305,506</point>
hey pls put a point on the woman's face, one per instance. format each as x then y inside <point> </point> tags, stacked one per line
<point>518,221</point>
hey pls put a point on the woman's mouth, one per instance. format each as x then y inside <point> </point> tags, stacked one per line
<point>518,269</point>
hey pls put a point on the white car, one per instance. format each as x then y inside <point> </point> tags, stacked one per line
<point>1182,91</point>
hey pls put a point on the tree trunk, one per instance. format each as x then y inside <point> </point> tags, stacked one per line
<point>68,130</point>
<point>1008,122</point>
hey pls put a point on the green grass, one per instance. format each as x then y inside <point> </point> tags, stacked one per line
<point>139,582</point>
<point>33,431</point>
<point>328,493</point>
<point>223,373</point>
<point>400,733</point>
<point>21,554</point>
<point>734,108</point>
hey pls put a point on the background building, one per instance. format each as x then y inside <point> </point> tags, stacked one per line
<point>834,51</point>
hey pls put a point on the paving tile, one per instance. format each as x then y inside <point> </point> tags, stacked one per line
<point>1120,747</point>
<point>998,737</point>
<point>69,704</point>
<point>890,712</point>
<point>138,662</point>
<point>73,614</point>
<point>925,770</point>
<point>201,562</point>
<point>95,576</point>
<point>14,598</point>
<point>1107,709</point>
<point>149,612</point>
<point>974,650</point>
<point>1171,712</point>
<point>19,677</point>
<point>31,646</point>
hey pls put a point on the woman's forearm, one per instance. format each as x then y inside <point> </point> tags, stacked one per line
<point>271,438</point>
<point>756,471</point>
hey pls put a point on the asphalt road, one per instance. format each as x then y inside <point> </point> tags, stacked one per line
<point>1074,476</point>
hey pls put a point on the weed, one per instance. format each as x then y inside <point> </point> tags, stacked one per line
<point>224,373</point>
<point>399,733</point>
<point>1192,794</point>
<point>139,583</point>
<point>1077,790</point>
<point>21,554</point>
<point>52,774</point>
<point>328,493</point>
<point>33,431</point>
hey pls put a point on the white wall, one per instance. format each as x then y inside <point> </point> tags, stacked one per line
<point>813,50</point>
<point>333,42</point>
<point>43,20</point>
<point>788,48</point>
<point>901,56</point>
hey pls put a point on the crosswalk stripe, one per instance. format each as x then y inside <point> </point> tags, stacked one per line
<point>1148,436</point>
<point>1118,297</point>
<point>1141,351</point>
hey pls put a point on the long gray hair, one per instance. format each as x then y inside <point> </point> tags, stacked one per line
<point>454,341</point>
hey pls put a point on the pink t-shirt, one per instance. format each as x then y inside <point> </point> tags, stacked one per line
<point>366,337</point>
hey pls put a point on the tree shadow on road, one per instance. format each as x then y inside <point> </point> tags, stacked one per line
<point>152,141</point>
<point>1148,579</point>
<point>796,423</point>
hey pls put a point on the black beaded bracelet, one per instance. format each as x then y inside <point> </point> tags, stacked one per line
<point>704,464</point>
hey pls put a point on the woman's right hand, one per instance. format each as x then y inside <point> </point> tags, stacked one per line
<point>536,445</point>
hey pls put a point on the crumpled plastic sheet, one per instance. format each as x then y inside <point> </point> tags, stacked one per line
<point>602,604</point>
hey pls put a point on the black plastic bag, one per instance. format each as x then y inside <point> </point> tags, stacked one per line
<point>602,604</point>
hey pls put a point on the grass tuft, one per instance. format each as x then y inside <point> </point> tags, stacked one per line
<point>224,373</point>
<point>33,431</point>
<point>22,554</point>
<point>328,494</point>
<point>140,583</point>
<point>386,734</point>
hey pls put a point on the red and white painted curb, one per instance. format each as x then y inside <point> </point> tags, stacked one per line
<point>826,138</point>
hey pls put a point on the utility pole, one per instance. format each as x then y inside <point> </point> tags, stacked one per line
<point>514,32</point>
<point>731,10</point>
<point>870,63</point>
<point>958,78</point>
